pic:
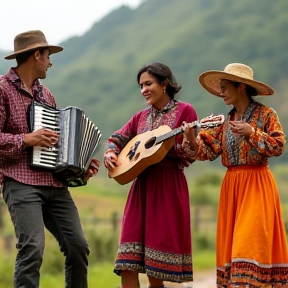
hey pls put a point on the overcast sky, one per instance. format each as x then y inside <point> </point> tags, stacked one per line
<point>58,19</point>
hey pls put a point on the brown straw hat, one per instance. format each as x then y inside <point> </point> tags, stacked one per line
<point>236,72</point>
<point>31,40</point>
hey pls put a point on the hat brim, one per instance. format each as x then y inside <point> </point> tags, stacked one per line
<point>210,80</point>
<point>52,49</point>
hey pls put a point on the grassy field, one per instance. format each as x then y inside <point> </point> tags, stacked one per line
<point>97,203</point>
<point>101,199</point>
<point>102,275</point>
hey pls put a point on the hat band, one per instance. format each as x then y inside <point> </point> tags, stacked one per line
<point>31,46</point>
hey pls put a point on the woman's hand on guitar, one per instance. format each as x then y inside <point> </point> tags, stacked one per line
<point>92,169</point>
<point>189,135</point>
<point>110,159</point>
<point>189,131</point>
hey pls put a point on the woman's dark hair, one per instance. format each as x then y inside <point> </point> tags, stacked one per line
<point>163,74</point>
<point>251,91</point>
<point>23,57</point>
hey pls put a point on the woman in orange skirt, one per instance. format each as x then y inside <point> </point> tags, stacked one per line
<point>251,239</point>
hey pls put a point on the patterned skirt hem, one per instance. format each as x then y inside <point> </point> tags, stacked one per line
<point>244,274</point>
<point>151,273</point>
<point>247,285</point>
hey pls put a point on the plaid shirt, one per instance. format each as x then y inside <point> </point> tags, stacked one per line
<point>14,104</point>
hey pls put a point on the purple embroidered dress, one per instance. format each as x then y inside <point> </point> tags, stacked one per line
<point>156,234</point>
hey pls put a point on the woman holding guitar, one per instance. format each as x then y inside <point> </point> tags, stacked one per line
<point>251,238</point>
<point>156,235</point>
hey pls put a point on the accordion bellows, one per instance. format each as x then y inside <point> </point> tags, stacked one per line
<point>78,140</point>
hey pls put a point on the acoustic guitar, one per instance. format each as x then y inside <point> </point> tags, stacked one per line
<point>150,147</point>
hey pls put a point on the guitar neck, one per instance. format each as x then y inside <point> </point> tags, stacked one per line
<point>168,135</point>
<point>208,122</point>
<point>172,133</point>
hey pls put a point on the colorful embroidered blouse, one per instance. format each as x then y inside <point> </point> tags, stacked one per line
<point>173,114</point>
<point>268,139</point>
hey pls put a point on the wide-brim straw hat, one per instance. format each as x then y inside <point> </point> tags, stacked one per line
<point>29,41</point>
<point>236,72</point>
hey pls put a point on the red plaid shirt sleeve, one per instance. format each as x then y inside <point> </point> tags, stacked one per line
<point>11,145</point>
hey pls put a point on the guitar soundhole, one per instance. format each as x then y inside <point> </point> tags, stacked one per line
<point>150,143</point>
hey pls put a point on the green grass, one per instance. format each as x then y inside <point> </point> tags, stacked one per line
<point>204,260</point>
<point>101,198</point>
<point>101,275</point>
<point>49,281</point>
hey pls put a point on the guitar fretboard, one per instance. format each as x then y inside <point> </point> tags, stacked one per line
<point>168,135</point>
<point>207,122</point>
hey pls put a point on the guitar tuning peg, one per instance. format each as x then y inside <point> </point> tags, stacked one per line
<point>184,125</point>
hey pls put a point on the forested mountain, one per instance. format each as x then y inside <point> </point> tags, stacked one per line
<point>97,71</point>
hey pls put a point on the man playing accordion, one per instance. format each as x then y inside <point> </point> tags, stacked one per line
<point>34,197</point>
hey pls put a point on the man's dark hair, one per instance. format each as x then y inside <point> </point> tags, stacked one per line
<point>23,57</point>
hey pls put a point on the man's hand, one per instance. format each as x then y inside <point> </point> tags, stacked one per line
<point>92,169</point>
<point>42,137</point>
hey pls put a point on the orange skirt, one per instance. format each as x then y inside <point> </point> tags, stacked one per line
<point>251,238</point>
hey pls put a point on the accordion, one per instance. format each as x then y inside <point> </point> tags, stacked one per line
<point>78,140</point>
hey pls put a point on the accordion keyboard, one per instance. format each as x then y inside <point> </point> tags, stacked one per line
<point>44,117</point>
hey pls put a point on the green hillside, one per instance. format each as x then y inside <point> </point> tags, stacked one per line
<point>97,71</point>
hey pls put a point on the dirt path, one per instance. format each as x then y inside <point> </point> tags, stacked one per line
<point>202,279</point>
